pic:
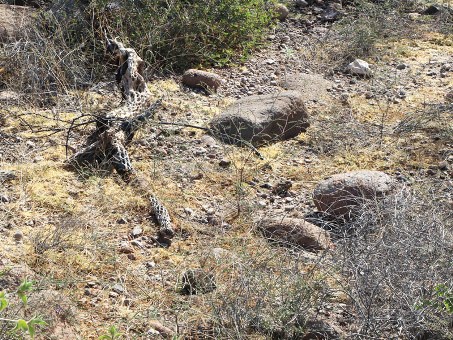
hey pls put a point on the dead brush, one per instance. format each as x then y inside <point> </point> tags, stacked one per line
<point>58,238</point>
<point>434,120</point>
<point>41,65</point>
<point>270,292</point>
<point>392,255</point>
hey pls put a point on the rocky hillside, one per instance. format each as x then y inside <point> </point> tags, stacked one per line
<point>308,188</point>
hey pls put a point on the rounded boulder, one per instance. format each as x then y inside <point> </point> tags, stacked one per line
<point>342,194</point>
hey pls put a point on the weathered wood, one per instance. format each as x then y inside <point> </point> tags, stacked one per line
<point>106,146</point>
<point>130,71</point>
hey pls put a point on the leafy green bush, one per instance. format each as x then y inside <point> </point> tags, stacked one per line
<point>21,326</point>
<point>172,33</point>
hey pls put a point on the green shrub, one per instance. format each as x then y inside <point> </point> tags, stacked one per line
<point>175,33</point>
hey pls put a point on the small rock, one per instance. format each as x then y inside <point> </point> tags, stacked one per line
<point>4,199</point>
<point>150,264</point>
<point>137,231</point>
<point>208,141</point>
<point>202,79</point>
<point>113,295</point>
<point>18,236</point>
<point>125,248</point>
<point>6,175</point>
<point>330,14</point>
<point>131,257</point>
<point>301,3</point>
<point>121,220</point>
<point>163,331</point>
<point>118,288</point>
<point>295,231</point>
<point>281,11</point>
<point>137,243</point>
<point>359,67</point>
<point>225,163</point>
<point>189,211</point>
<point>401,66</point>
<point>414,16</point>
<point>443,166</point>
<point>432,10</point>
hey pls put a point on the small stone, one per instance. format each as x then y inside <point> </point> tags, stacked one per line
<point>137,243</point>
<point>269,61</point>
<point>202,79</point>
<point>262,204</point>
<point>431,10</point>
<point>401,66</point>
<point>118,288</point>
<point>4,199</point>
<point>161,330</point>
<point>281,11</point>
<point>443,166</point>
<point>18,236</point>
<point>137,231</point>
<point>224,163</point>
<point>359,67</point>
<point>150,264</point>
<point>121,220</point>
<point>113,295</point>
<point>413,16</point>
<point>301,3</point>
<point>188,211</point>
<point>369,95</point>
<point>131,257</point>
<point>30,144</point>
<point>125,248</point>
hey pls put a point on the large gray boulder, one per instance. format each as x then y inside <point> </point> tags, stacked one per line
<point>262,119</point>
<point>343,194</point>
<point>296,232</point>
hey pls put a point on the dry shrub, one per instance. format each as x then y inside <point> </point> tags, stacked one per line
<point>271,292</point>
<point>392,256</point>
<point>41,64</point>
